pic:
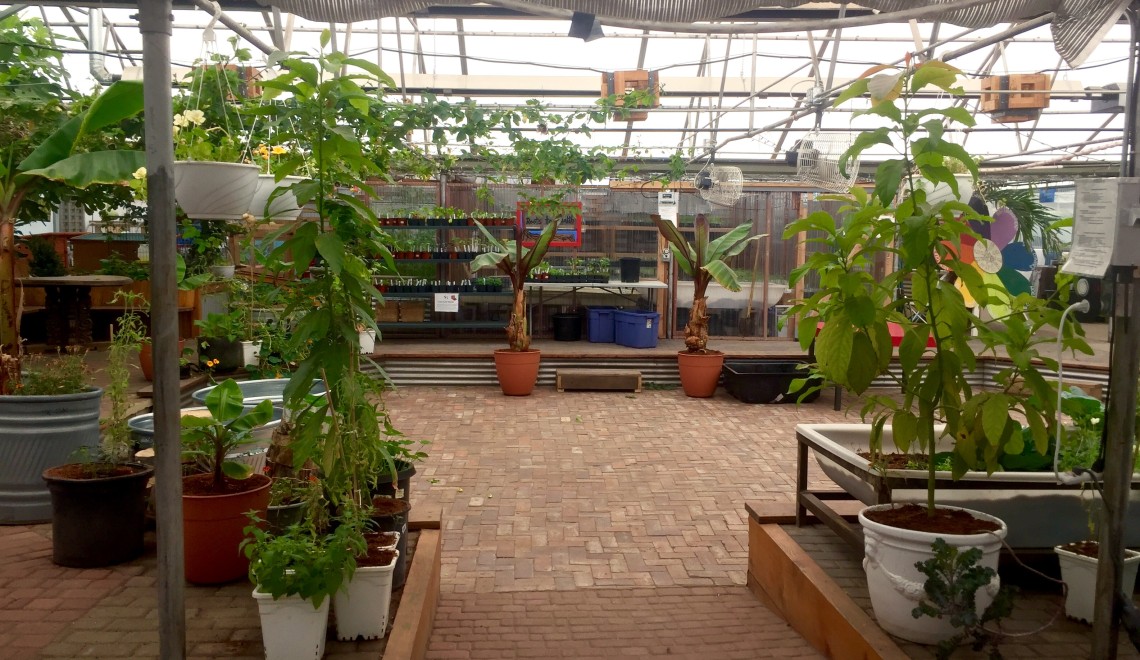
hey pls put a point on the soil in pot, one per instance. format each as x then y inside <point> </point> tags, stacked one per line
<point>381,540</point>
<point>942,521</point>
<point>376,556</point>
<point>391,515</point>
<point>1083,548</point>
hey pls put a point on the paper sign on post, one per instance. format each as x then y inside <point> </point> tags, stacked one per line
<point>447,302</point>
<point>1094,227</point>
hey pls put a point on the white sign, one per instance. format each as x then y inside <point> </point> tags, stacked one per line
<point>447,302</point>
<point>1094,227</point>
<point>667,205</point>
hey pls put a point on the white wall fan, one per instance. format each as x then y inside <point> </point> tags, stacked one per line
<point>719,184</point>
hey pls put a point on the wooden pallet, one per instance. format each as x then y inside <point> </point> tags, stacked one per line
<point>598,379</point>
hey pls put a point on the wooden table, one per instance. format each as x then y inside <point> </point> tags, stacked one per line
<point>68,305</point>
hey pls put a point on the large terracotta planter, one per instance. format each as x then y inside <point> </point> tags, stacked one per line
<point>517,371</point>
<point>214,191</point>
<point>212,527</point>
<point>700,372</point>
<point>36,433</point>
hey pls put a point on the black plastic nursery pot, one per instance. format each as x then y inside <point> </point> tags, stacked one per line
<point>765,381</point>
<point>403,490</point>
<point>630,269</point>
<point>97,520</point>
<point>227,353</point>
<point>391,515</point>
<point>567,327</point>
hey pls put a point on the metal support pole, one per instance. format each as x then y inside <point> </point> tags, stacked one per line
<point>1120,420</point>
<point>155,24</point>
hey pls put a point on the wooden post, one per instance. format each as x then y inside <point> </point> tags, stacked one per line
<point>1120,422</point>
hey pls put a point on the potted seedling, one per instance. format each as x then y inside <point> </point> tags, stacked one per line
<point>99,506</point>
<point>704,261</point>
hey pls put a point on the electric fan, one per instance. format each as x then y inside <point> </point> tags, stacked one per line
<point>817,161</point>
<point>719,184</point>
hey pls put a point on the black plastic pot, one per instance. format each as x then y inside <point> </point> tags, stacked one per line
<point>567,327</point>
<point>630,269</point>
<point>97,521</point>
<point>765,381</point>
<point>396,522</point>
<point>403,490</point>
<point>280,518</point>
<point>227,353</point>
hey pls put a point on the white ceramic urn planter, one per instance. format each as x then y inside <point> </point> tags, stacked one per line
<point>896,586</point>
<point>283,207</point>
<point>362,606</point>
<point>291,628</point>
<point>207,190</point>
<point>1079,575</point>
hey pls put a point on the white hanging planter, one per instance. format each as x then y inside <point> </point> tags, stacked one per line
<point>207,190</point>
<point>362,606</point>
<point>291,628</point>
<point>284,206</point>
<point>250,352</point>
<point>896,586</point>
<point>1079,574</point>
<point>367,341</point>
<point>223,272</point>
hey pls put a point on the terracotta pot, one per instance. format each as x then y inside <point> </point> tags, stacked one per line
<point>517,371</point>
<point>212,527</point>
<point>146,358</point>
<point>700,372</point>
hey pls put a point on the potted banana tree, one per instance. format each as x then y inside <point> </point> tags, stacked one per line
<point>704,261</point>
<point>516,365</point>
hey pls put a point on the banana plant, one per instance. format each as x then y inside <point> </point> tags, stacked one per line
<point>55,159</point>
<point>229,426</point>
<point>704,261</point>
<point>516,261</point>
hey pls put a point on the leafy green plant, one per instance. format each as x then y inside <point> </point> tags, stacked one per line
<point>703,260</point>
<point>515,261</point>
<point>290,490</point>
<point>126,340</point>
<point>228,426</point>
<point>45,261</point>
<point>302,562</point>
<point>115,264</point>
<point>229,325</point>
<point>953,578</point>
<point>855,303</point>
<point>49,151</point>
<point>63,373</point>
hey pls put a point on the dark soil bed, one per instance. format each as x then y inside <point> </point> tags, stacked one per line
<point>944,521</point>
<point>203,484</point>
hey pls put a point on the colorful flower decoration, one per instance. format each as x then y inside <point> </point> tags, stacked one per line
<point>998,259</point>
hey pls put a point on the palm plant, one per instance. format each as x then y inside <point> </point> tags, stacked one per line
<point>704,261</point>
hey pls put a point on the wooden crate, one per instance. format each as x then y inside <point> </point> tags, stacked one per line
<point>619,82</point>
<point>412,311</point>
<point>598,379</point>
<point>1035,94</point>
<point>388,313</point>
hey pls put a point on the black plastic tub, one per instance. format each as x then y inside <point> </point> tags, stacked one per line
<point>630,269</point>
<point>765,381</point>
<point>567,327</point>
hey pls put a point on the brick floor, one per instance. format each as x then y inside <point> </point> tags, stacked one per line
<point>576,525</point>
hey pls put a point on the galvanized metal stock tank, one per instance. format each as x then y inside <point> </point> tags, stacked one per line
<point>36,433</point>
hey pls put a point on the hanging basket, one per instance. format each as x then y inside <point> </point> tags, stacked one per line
<point>284,207</point>
<point>208,190</point>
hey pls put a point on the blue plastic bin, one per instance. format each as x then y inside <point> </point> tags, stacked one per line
<point>600,324</point>
<point>636,329</point>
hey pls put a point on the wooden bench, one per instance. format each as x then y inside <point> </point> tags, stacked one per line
<point>598,379</point>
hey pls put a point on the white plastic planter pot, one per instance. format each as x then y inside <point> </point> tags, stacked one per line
<point>367,342</point>
<point>362,607</point>
<point>291,628</point>
<point>250,352</point>
<point>214,191</point>
<point>283,207</point>
<point>896,586</point>
<point>1079,574</point>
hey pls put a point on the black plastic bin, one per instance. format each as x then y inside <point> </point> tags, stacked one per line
<point>567,327</point>
<point>765,381</point>
<point>630,269</point>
